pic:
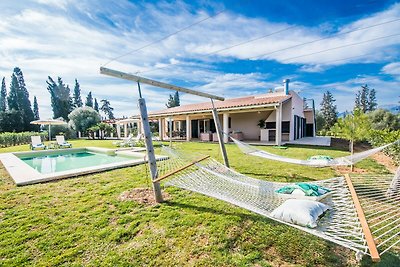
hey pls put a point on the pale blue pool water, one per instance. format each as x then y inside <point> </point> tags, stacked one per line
<point>65,162</point>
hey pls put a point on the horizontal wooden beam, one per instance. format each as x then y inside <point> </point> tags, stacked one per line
<point>180,169</point>
<point>131,77</point>
<point>363,221</point>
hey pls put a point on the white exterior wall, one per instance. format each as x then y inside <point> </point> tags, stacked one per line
<point>297,109</point>
<point>309,116</point>
<point>247,123</point>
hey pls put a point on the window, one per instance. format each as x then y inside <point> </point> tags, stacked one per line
<point>270,125</point>
<point>285,126</point>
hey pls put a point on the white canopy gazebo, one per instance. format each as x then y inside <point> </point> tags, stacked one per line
<point>125,123</point>
<point>49,122</point>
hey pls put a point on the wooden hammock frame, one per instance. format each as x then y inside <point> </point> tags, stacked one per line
<point>364,224</point>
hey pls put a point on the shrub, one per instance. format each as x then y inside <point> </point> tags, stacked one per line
<point>81,119</point>
<point>381,137</point>
<point>13,139</point>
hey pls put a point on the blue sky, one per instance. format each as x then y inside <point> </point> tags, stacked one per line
<point>358,44</point>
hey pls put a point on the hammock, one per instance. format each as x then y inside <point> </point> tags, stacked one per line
<point>314,161</point>
<point>340,225</point>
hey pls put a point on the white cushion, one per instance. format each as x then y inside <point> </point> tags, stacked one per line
<point>300,211</point>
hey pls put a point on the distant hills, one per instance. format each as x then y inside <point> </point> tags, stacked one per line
<point>392,108</point>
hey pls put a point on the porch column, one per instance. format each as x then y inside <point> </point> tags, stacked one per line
<point>139,127</point>
<point>226,127</point>
<point>125,130</point>
<point>278,132</point>
<point>160,129</point>
<point>119,131</point>
<point>188,128</point>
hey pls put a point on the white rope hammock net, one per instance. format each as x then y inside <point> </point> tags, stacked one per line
<point>342,161</point>
<point>340,225</point>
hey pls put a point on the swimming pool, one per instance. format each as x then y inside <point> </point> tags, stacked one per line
<point>42,166</point>
<point>78,160</point>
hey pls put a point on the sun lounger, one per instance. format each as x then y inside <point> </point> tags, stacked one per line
<point>61,142</point>
<point>130,141</point>
<point>36,142</point>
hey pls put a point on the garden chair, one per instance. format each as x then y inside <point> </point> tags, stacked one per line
<point>61,142</point>
<point>36,142</point>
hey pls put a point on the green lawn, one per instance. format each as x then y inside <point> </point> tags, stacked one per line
<point>80,221</point>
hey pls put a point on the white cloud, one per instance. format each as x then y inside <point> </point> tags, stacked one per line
<point>392,69</point>
<point>72,39</point>
<point>55,3</point>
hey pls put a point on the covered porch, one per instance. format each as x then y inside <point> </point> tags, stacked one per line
<point>243,124</point>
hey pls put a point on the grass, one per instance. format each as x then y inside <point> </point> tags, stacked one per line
<point>81,222</point>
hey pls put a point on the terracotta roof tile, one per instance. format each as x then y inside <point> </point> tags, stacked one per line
<point>254,100</point>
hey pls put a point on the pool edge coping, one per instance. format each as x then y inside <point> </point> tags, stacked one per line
<point>23,174</point>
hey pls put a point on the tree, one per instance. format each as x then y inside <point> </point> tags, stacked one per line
<point>319,120</point>
<point>328,110</point>
<point>96,105</point>
<point>35,109</point>
<point>12,99</point>
<point>353,127</point>
<point>11,121</point>
<point>372,104</point>
<point>173,100</point>
<point>89,100</point>
<point>24,102</point>
<point>77,100</point>
<point>176,99</point>
<point>365,99</point>
<point>107,109</point>
<point>18,98</point>
<point>61,101</point>
<point>103,128</point>
<point>3,95</point>
<point>83,118</point>
<point>382,119</point>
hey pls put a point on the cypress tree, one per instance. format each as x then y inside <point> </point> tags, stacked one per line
<point>361,102</point>
<point>107,109</point>
<point>23,100</point>
<point>3,95</point>
<point>96,105</point>
<point>89,100</point>
<point>77,103</point>
<point>372,104</point>
<point>35,109</point>
<point>177,101</point>
<point>12,98</point>
<point>328,110</point>
<point>61,101</point>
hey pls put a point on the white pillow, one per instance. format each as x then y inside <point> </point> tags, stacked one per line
<point>300,211</point>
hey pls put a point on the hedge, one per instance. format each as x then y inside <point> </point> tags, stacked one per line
<point>13,139</point>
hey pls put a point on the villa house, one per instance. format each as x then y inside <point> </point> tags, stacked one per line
<point>250,118</point>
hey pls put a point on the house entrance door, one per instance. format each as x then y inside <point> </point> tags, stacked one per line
<point>195,128</point>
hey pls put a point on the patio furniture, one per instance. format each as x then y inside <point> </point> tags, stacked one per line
<point>205,137</point>
<point>61,142</point>
<point>238,135</point>
<point>130,141</point>
<point>36,142</point>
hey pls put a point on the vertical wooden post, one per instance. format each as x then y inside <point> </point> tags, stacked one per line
<point>149,148</point>
<point>220,135</point>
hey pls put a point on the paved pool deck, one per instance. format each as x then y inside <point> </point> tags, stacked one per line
<point>23,174</point>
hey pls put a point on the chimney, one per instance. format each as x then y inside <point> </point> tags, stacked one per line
<point>286,86</point>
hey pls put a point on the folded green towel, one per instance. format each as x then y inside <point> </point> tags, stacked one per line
<point>320,157</point>
<point>308,189</point>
